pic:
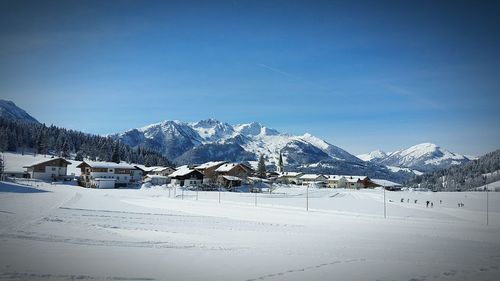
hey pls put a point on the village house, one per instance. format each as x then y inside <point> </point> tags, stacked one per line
<point>307,179</point>
<point>162,171</point>
<point>238,173</point>
<point>359,182</point>
<point>155,170</point>
<point>186,176</point>
<point>157,179</point>
<point>48,169</point>
<point>290,177</point>
<point>208,171</point>
<point>108,174</point>
<point>336,181</point>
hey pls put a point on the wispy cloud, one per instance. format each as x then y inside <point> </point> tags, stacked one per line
<point>295,77</point>
<point>394,89</point>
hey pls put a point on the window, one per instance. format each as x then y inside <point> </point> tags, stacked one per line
<point>53,168</point>
<point>110,170</point>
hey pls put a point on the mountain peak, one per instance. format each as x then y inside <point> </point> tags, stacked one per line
<point>255,129</point>
<point>10,110</point>
<point>423,157</point>
<point>376,154</point>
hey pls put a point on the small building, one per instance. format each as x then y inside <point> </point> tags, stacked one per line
<point>290,177</point>
<point>155,170</point>
<point>51,169</point>
<point>208,171</point>
<point>238,170</point>
<point>157,179</point>
<point>93,174</point>
<point>359,182</point>
<point>186,176</point>
<point>307,179</point>
<point>162,171</point>
<point>230,181</point>
<point>336,181</point>
<point>104,183</point>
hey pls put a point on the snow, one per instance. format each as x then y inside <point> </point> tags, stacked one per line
<point>109,165</point>
<point>376,154</point>
<point>62,232</point>
<point>494,186</point>
<point>210,164</point>
<point>386,183</point>
<point>15,162</point>
<point>181,171</point>
<point>226,167</point>
<point>397,169</point>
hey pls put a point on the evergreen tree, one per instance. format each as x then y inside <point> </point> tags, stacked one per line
<point>261,167</point>
<point>2,167</point>
<point>79,156</point>
<point>65,150</point>
<point>116,153</point>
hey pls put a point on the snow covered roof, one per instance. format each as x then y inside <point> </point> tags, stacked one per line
<point>334,177</point>
<point>210,164</point>
<point>386,183</point>
<point>108,165</point>
<point>226,167</point>
<point>41,161</point>
<point>290,174</point>
<point>310,176</point>
<point>156,177</point>
<point>231,178</point>
<point>181,171</point>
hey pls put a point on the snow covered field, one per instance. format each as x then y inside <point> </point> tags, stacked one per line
<point>63,232</point>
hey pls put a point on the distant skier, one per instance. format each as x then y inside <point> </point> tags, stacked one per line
<point>432,205</point>
<point>402,200</point>
<point>415,201</point>
<point>440,201</point>
<point>427,202</point>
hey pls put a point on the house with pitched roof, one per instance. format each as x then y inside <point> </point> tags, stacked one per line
<point>108,174</point>
<point>48,169</point>
<point>186,176</point>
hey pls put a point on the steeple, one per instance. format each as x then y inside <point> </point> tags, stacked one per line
<point>280,169</point>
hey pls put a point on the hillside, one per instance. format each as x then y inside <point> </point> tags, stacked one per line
<point>467,176</point>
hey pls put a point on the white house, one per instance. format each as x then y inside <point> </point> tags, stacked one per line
<point>336,181</point>
<point>101,174</point>
<point>311,178</point>
<point>185,176</point>
<point>51,169</point>
<point>157,179</point>
<point>290,177</point>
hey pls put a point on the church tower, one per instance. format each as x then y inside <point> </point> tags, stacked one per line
<point>279,168</point>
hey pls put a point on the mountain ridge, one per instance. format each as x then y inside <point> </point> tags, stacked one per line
<point>9,110</point>
<point>423,157</point>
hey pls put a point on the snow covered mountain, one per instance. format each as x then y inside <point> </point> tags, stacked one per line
<point>376,154</point>
<point>211,139</point>
<point>423,157</point>
<point>10,110</point>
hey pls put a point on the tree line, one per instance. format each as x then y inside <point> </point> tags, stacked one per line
<point>467,176</point>
<point>23,137</point>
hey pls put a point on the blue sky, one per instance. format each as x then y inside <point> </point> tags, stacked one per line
<point>361,75</point>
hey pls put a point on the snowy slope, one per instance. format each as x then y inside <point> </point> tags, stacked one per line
<point>61,232</point>
<point>376,154</point>
<point>422,157</point>
<point>10,110</point>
